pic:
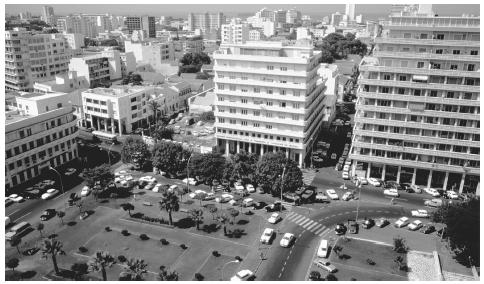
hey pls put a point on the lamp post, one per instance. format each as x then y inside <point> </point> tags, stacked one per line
<point>109,153</point>
<point>282,186</point>
<point>358,202</point>
<point>60,178</point>
<point>223,267</point>
<point>188,164</point>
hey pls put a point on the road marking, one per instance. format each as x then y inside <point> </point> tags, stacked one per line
<point>320,230</point>
<point>298,218</point>
<point>312,226</point>
<point>305,221</point>
<point>325,232</point>
<point>21,217</point>
<point>14,212</point>
<point>316,227</point>
<point>290,214</point>
<point>309,224</point>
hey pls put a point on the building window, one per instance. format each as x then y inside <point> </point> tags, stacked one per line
<point>474,52</point>
<point>283,68</point>
<point>256,90</point>
<point>269,91</point>
<point>256,124</point>
<point>232,88</point>
<point>256,113</point>
<point>232,121</point>
<point>270,67</point>
<point>268,126</point>
<point>453,66</point>
<point>244,101</point>
<point>456,51</point>
<point>244,111</point>
<point>401,91</point>
<point>420,64</point>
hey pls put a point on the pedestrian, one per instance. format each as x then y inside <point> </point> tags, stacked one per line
<point>392,201</point>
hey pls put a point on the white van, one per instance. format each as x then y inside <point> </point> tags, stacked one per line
<point>323,248</point>
<point>7,221</point>
<point>17,230</point>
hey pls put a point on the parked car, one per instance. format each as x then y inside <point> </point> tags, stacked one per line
<point>325,265</point>
<point>47,214</point>
<point>8,202</point>
<point>248,202</point>
<point>362,180</point>
<point>224,198</point>
<point>451,194</point>
<point>308,195</point>
<point>85,191</point>
<point>276,206</point>
<point>197,193</point>
<point>292,197</point>
<point>321,197</point>
<point>382,222</point>
<point>275,217</point>
<point>209,196</point>
<point>243,275</point>
<point>432,191</point>
<point>332,194</point>
<point>415,225</point>
<point>347,196</point>
<point>190,181</point>
<point>340,229</point>
<point>420,213</point>
<point>374,182</point>
<point>393,184</point>
<point>345,175</point>
<point>428,228</point>
<point>391,192</point>
<point>323,248</point>
<point>287,240</point>
<point>70,172</point>
<point>267,236</point>
<point>433,202</point>
<point>16,198</point>
<point>250,188</point>
<point>368,223</point>
<point>402,222</point>
<point>50,193</point>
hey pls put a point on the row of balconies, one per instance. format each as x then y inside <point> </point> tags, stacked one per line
<point>412,124</point>
<point>427,56</point>
<point>437,42</point>
<point>251,83</point>
<point>275,72</point>
<point>430,86</point>
<point>387,109</point>
<point>413,164</point>
<point>275,120</point>
<point>268,59</point>
<point>423,99</point>
<point>262,141</point>
<point>262,95</point>
<point>420,71</point>
<point>262,107</point>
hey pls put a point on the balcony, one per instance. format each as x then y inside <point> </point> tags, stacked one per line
<point>252,83</point>
<point>263,95</point>
<point>427,56</point>
<point>417,138</point>
<point>437,42</point>
<point>432,27</point>
<point>269,59</point>
<point>398,110</point>
<point>262,107</point>
<point>418,151</point>
<point>256,140</point>
<point>428,86</point>
<point>423,99</point>
<point>273,120</point>
<point>250,70</point>
<point>421,71</point>
<point>420,125</point>
<point>414,164</point>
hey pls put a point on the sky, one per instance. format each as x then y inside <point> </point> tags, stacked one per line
<point>316,11</point>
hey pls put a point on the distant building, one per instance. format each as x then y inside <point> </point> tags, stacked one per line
<point>293,16</point>
<point>48,15</point>
<point>336,19</point>
<point>269,28</point>
<point>350,11</point>
<point>206,22</point>
<point>359,19</point>
<point>145,23</point>
<point>155,53</point>
<point>74,41</point>
<point>254,35</point>
<point>78,24</point>
<point>302,33</point>
<point>25,15</point>
<point>235,32</point>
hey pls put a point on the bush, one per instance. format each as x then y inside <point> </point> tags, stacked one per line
<point>199,277</point>
<point>82,249</point>
<point>144,237</point>
<point>122,258</point>
<point>164,242</point>
<point>215,253</point>
<point>399,245</point>
<point>183,246</point>
<point>370,261</point>
<point>107,229</point>
<point>125,232</point>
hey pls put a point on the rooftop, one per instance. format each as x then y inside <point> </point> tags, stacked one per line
<point>117,91</point>
<point>38,96</point>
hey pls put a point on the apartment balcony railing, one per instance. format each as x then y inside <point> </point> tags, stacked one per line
<point>423,99</point>
<point>429,86</point>
<point>420,71</point>
<point>387,109</point>
<point>427,56</point>
<point>418,138</point>
<point>414,41</point>
<point>273,120</point>
<point>275,72</point>
<point>414,164</point>
<point>262,107</point>
<point>269,59</point>
<point>276,96</point>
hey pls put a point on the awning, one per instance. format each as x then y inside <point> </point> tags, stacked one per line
<point>420,77</point>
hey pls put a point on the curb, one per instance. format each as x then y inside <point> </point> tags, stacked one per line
<point>438,269</point>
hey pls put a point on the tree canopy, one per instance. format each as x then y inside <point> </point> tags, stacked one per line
<point>169,157</point>
<point>192,62</point>
<point>337,46</point>
<point>134,150</point>
<point>269,171</point>
<point>209,165</point>
<point>132,78</point>
<point>101,174</point>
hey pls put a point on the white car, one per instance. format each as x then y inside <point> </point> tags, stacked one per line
<point>391,192</point>
<point>248,202</point>
<point>242,275</point>
<point>452,194</point>
<point>267,235</point>
<point>157,187</point>
<point>287,240</point>
<point>402,222</point>
<point>432,191</point>
<point>374,182</point>
<point>346,168</point>
<point>70,171</point>
<point>239,187</point>
<point>120,173</point>
<point>325,265</point>
<point>274,218</point>
<point>347,196</point>
<point>224,198</point>
<point>190,181</point>
<point>86,190</point>
<point>250,188</point>
<point>232,202</point>
<point>420,213</point>
<point>332,194</point>
<point>16,198</point>
<point>346,175</point>
<point>363,181</point>
<point>50,193</point>
<point>197,193</point>
<point>415,225</point>
<point>148,179</point>
<point>209,196</point>
<point>323,248</point>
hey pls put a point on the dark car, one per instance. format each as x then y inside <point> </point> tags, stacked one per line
<point>340,229</point>
<point>407,187</point>
<point>276,206</point>
<point>353,226</point>
<point>292,197</point>
<point>382,222</point>
<point>427,229</point>
<point>308,195</point>
<point>368,223</point>
<point>393,184</point>
<point>49,213</point>
<point>259,205</point>
<point>300,190</point>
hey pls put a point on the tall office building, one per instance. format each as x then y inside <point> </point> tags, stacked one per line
<point>293,16</point>
<point>206,22</point>
<point>48,15</point>
<point>235,32</point>
<point>350,11</point>
<point>145,23</point>
<point>78,24</point>
<point>417,118</point>
<point>269,98</point>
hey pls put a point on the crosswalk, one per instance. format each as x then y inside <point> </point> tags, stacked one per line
<point>287,206</point>
<point>308,224</point>
<point>308,176</point>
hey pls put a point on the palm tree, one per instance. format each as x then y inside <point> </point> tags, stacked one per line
<point>39,228</point>
<point>100,261</point>
<point>165,275</point>
<point>169,202</point>
<point>61,215</point>
<point>197,216</point>
<point>53,248</point>
<point>136,268</point>
<point>224,219</point>
<point>127,207</point>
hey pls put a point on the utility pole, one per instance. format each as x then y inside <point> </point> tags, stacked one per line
<point>282,186</point>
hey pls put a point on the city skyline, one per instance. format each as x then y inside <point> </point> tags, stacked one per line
<point>180,10</point>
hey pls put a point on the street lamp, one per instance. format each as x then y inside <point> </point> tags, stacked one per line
<point>188,164</point>
<point>282,186</point>
<point>358,202</point>
<point>60,178</point>
<point>223,267</point>
<point>109,153</point>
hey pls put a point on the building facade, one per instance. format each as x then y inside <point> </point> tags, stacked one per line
<point>78,24</point>
<point>48,15</point>
<point>254,35</point>
<point>145,23</point>
<point>417,118</point>
<point>235,32</point>
<point>205,21</point>
<point>40,131</point>
<point>268,98</point>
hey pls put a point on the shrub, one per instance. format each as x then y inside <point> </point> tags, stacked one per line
<point>183,246</point>
<point>125,232</point>
<point>122,258</point>
<point>370,261</point>
<point>164,242</point>
<point>399,245</point>
<point>199,277</point>
<point>82,249</point>
<point>144,237</point>
<point>215,253</point>
<point>107,229</point>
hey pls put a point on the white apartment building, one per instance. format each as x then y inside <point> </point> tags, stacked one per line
<point>269,98</point>
<point>78,24</point>
<point>235,32</point>
<point>269,28</point>
<point>206,22</point>
<point>153,52</point>
<point>418,114</point>
<point>303,33</point>
<point>74,41</point>
<point>48,15</point>
<point>350,11</point>
<point>254,35</point>
<point>33,58</point>
<point>40,131</point>
<point>293,16</point>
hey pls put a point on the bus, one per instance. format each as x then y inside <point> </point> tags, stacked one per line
<point>105,137</point>
<point>17,230</point>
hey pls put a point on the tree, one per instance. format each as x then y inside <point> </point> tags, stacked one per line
<point>136,268</point>
<point>40,227</point>
<point>135,150</point>
<point>223,219</point>
<point>52,247</point>
<point>337,250</point>
<point>291,181</point>
<point>15,242</point>
<point>244,165</point>
<point>197,216</point>
<point>326,56</point>
<point>127,207</point>
<point>132,78</point>
<point>169,157</point>
<point>100,261</point>
<point>61,215</point>
<point>12,263</point>
<point>169,202</point>
<point>165,275</point>
<point>163,132</point>
<point>207,116</point>
<point>269,171</point>
<point>314,275</point>
<point>212,209</point>
<point>331,277</point>
<point>399,245</point>
<point>462,228</point>
<point>209,166</point>
<point>234,213</point>
<point>101,174</point>
<point>192,62</point>
<point>80,269</point>
<point>154,106</point>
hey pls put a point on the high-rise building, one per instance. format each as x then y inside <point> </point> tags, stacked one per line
<point>25,16</point>
<point>268,98</point>
<point>145,23</point>
<point>206,22</point>
<point>235,32</point>
<point>293,16</point>
<point>336,19</point>
<point>350,11</point>
<point>417,118</point>
<point>48,15</point>
<point>156,53</point>
<point>33,58</point>
<point>78,24</point>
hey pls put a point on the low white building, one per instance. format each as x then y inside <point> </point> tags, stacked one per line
<point>254,35</point>
<point>155,52</point>
<point>234,32</point>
